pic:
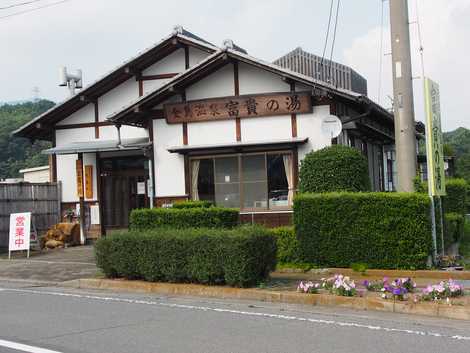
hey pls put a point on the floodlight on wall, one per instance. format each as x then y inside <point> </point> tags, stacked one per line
<point>70,80</point>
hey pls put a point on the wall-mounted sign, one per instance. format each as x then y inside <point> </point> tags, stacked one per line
<point>20,228</point>
<point>249,106</point>
<point>79,172</point>
<point>89,181</point>
<point>435,152</point>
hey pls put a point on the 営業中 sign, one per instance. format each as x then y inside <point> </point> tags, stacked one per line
<point>20,228</point>
<point>434,148</point>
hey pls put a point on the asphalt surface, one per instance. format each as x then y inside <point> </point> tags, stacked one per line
<point>67,320</point>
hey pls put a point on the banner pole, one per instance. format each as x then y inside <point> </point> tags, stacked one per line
<point>442,225</point>
<point>433,223</point>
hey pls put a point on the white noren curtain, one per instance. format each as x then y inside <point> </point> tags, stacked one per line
<point>194,179</point>
<point>287,158</point>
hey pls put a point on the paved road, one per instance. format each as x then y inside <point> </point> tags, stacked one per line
<point>66,320</point>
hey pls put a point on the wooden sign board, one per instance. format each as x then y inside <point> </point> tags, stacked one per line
<point>79,172</point>
<point>89,181</point>
<point>248,106</point>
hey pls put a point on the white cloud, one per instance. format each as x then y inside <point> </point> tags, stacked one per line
<point>445,36</point>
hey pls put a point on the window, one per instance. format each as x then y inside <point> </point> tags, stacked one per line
<point>257,181</point>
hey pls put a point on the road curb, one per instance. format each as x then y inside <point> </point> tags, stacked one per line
<point>373,303</point>
<point>428,274</point>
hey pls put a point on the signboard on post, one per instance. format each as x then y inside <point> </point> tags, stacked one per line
<point>79,172</point>
<point>89,181</point>
<point>434,144</point>
<point>20,231</point>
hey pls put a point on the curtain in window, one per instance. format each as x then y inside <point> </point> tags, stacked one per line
<point>194,179</point>
<point>287,158</point>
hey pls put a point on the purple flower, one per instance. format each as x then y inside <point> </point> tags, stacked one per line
<point>366,283</point>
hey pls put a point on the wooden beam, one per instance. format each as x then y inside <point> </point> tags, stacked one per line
<point>186,57</point>
<point>157,76</point>
<point>97,120</point>
<point>82,125</point>
<point>293,116</point>
<point>236,90</point>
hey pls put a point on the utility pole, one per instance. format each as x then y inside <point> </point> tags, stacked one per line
<point>405,138</point>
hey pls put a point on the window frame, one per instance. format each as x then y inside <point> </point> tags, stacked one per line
<point>239,156</point>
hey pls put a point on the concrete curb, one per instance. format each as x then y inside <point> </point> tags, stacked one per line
<point>440,275</point>
<point>458,312</point>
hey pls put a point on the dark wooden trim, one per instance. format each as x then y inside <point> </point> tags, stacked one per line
<point>141,87</point>
<point>82,125</point>
<point>99,187</point>
<point>186,57</point>
<point>82,202</point>
<point>185,133</point>
<point>157,76</point>
<point>53,162</point>
<point>97,119</point>
<point>236,90</point>
<point>293,116</point>
<point>295,166</point>
<point>187,176</point>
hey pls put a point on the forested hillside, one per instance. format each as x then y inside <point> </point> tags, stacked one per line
<point>459,141</point>
<point>18,153</point>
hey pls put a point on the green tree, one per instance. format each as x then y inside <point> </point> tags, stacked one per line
<point>18,153</point>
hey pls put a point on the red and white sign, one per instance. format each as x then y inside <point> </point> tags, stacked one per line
<point>20,229</point>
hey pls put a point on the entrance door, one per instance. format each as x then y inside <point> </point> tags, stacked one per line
<point>123,182</point>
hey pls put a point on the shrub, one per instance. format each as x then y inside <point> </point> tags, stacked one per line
<point>453,227</point>
<point>193,204</point>
<point>382,230</point>
<point>241,256</point>
<point>456,196</point>
<point>200,217</point>
<point>335,168</point>
<point>287,245</point>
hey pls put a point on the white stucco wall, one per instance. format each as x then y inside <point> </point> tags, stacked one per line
<point>196,56</point>
<point>83,115</point>
<point>266,128</point>
<point>37,176</point>
<point>253,80</point>
<point>218,84</point>
<point>169,167</point>
<point>170,64</point>
<point>309,125</point>
<point>110,132</point>
<point>118,98</point>
<point>211,132</point>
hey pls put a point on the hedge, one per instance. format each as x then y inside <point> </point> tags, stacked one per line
<point>382,230</point>
<point>456,196</point>
<point>287,245</point>
<point>453,228</point>
<point>193,204</point>
<point>197,217</point>
<point>241,256</point>
<point>334,168</point>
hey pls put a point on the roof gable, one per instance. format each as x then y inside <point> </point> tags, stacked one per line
<point>39,127</point>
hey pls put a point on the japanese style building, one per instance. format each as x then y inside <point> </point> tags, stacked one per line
<point>186,119</point>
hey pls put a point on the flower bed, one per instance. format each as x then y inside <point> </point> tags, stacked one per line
<point>399,289</point>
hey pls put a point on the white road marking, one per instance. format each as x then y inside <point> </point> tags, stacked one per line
<point>243,313</point>
<point>24,347</point>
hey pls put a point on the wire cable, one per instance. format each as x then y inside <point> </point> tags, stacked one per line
<point>326,41</point>
<point>420,39</point>
<point>33,9</point>
<point>19,4</point>
<point>333,42</point>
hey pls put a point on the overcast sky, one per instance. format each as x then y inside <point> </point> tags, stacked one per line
<point>97,35</point>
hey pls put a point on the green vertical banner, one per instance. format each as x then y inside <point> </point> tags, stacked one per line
<point>434,143</point>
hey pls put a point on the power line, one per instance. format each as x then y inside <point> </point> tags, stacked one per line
<point>33,9</point>
<point>326,40</point>
<point>334,38</point>
<point>19,4</point>
<point>420,39</point>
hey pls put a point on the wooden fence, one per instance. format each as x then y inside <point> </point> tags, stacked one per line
<point>41,199</point>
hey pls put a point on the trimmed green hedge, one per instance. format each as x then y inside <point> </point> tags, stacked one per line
<point>197,217</point>
<point>287,245</point>
<point>241,256</point>
<point>193,204</point>
<point>456,199</point>
<point>383,230</point>
<point>453,228</point>
<point>334,168</point>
